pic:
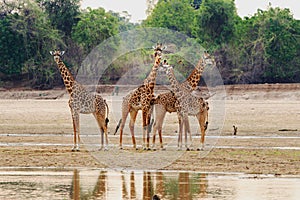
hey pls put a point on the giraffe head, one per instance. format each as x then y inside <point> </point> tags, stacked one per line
<point>158,50</point>
<point>57,55</point>
<point>207,60</point>
<point>166,67</point>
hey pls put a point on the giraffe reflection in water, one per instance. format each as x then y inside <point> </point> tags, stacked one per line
<point>98,192</point>
<point>138,185</point>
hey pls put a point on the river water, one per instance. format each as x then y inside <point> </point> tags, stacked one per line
<point>83,183</point>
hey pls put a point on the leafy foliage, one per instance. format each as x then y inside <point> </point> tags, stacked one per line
<point>123,21</point>
<point>214,22</point>
<point>63,14</point>
<point>177,15</point>
<point>279,30</point>
<point>95,26</point>
<point>258,49</point>
<point>262,48</point>
<point>31,36</point>
<point>265,48</point>
<point>11,48</point>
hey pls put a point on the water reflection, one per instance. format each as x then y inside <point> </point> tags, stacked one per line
<point>98,192</point>
<point>141,185</point>
<point>103,184</point>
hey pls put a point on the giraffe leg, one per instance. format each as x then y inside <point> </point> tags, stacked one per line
<point>102,138</point>
<point>121,135</point>
<point>133,114</point>
<point>202,120</point>
<point>125,111</point>
<point>161,120</point>
<point>187,130</point>
<point>146,115</point>
<point>146,137</point>
<point>160,132</point>
<point>180,122</point>
<point>185,134</point>
<point>154,135</point>
<point>160,113</point>
<point>76,128</point>
<point>149,126</point>
<point>202,138</point>
<point>103,129</point>
<point>106,138</point>
<point>160,138</point>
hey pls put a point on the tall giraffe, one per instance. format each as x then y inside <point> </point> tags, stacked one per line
<point>165,102</point>
<point>140,99</point>
<point>187,104</point>
<point>82,101</point>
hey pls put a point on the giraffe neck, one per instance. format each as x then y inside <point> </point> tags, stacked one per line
<point>192,81</point>
<point>66,75</point>
<point>175,86</point>
<point>151,79</point>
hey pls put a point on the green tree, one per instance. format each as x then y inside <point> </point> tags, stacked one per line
<point>38,37</point>
<point>214,22</point>
<point>63,14</point>
<point>177,15</point>
<point>267,47</point>
<point>95,26</point>
<point>11,48</point>
<point>282,44</point>
<point>123,21</point>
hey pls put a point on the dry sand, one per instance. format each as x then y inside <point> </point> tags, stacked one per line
<point>268,137</point>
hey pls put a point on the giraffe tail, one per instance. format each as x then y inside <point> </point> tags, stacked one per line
<point>107,111</point>
<point>118,126</point>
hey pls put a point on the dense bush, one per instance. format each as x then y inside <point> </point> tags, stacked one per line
<point>258,49</point>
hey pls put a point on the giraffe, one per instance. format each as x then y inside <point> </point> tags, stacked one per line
<point>187,105</point>
<point>82,101</point>
<point>140,99</point>
<point>165,102</point>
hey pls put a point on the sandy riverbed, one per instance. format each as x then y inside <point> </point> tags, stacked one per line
<point>36,130</point>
